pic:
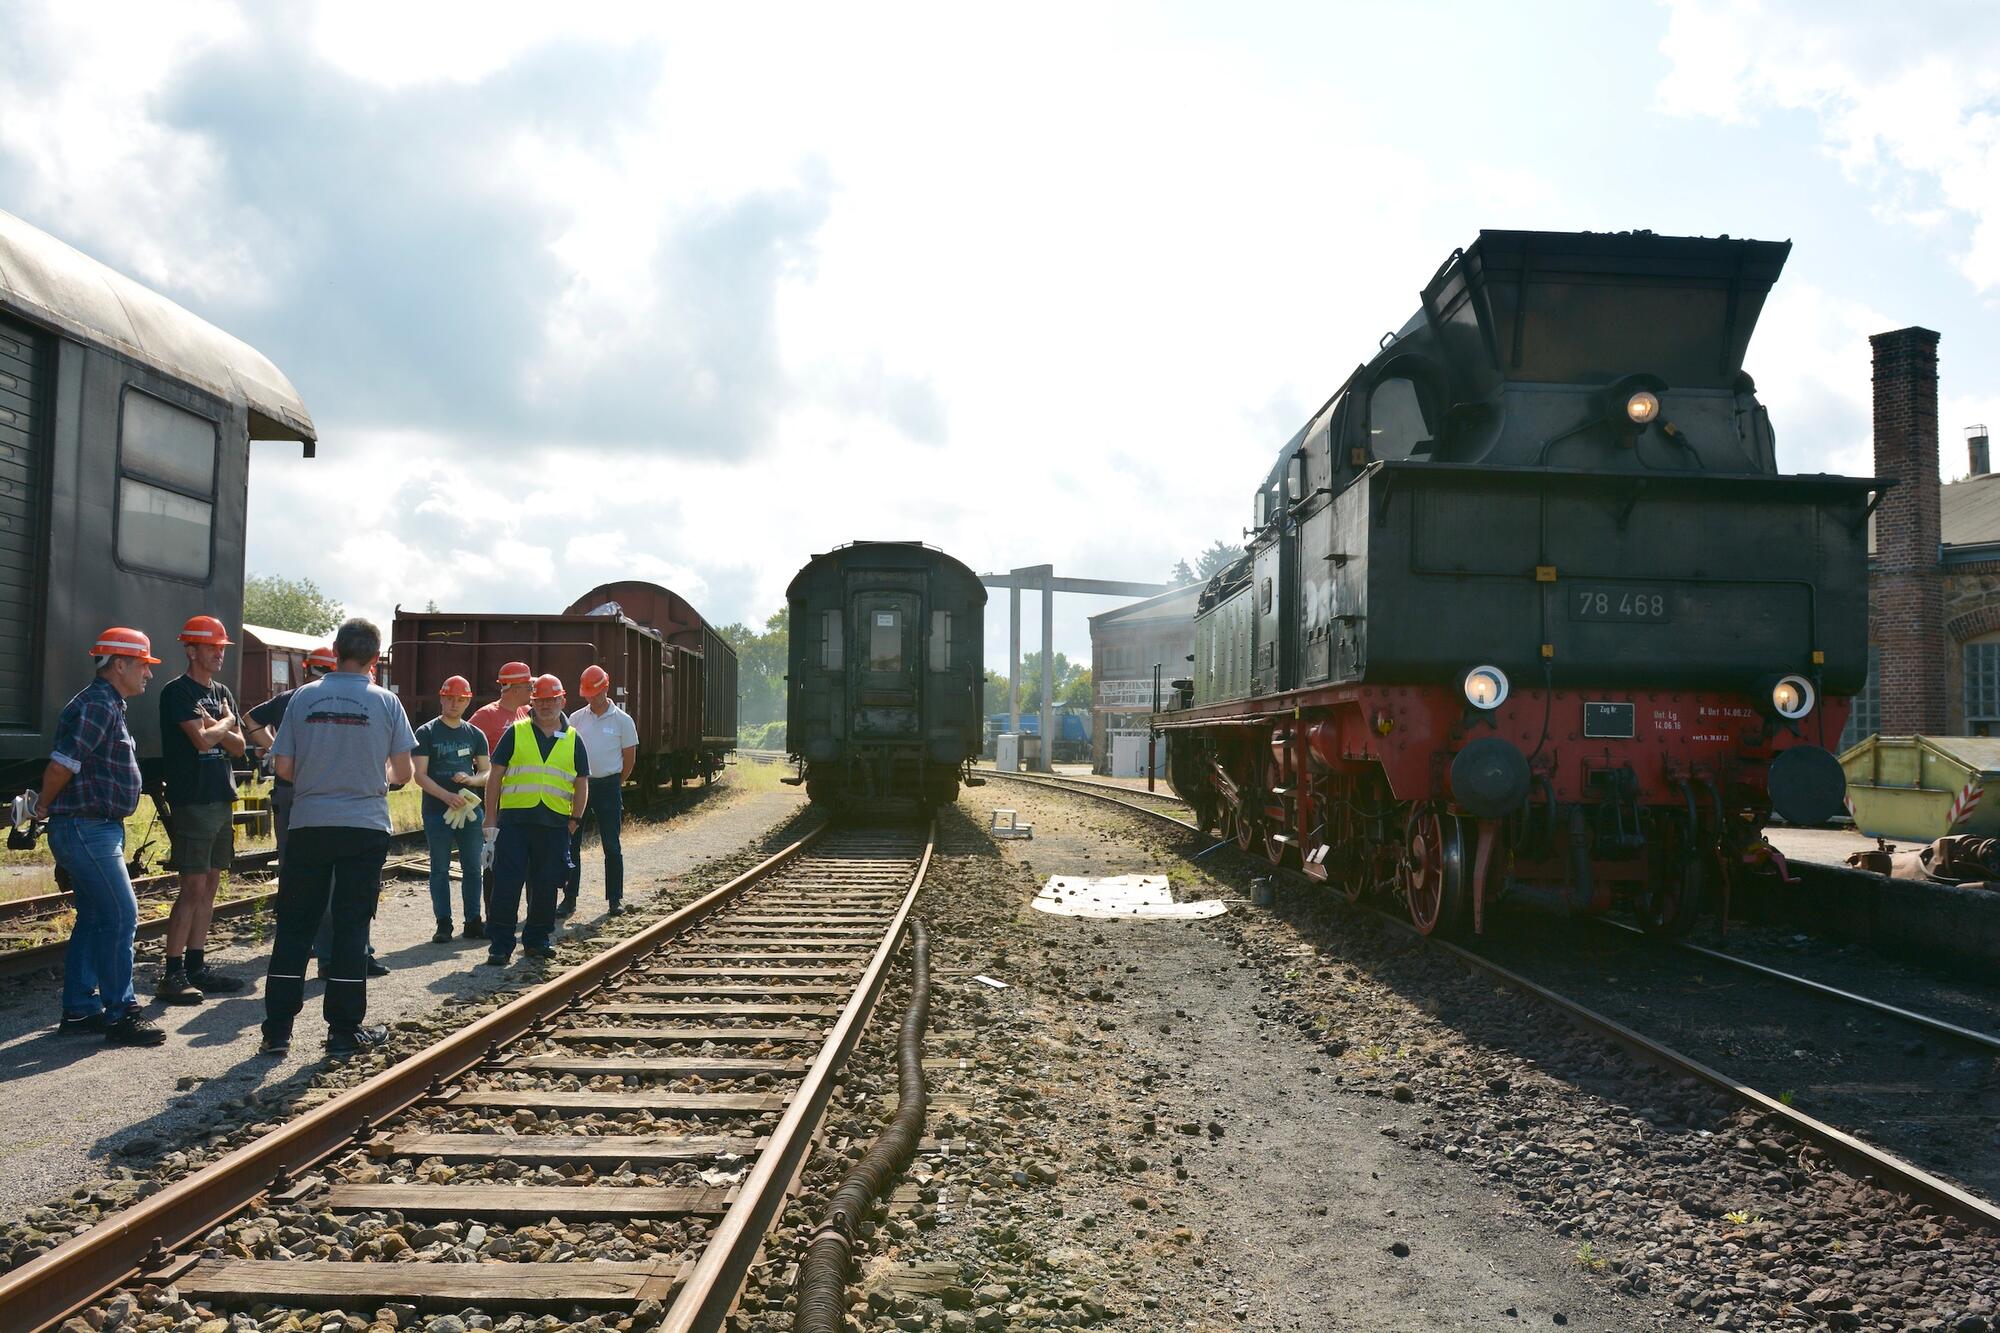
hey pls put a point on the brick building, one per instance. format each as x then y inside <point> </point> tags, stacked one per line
<point>1124,645</point>
<point>1934,564</point>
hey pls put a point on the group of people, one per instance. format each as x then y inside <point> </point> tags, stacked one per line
<point>338,743</point>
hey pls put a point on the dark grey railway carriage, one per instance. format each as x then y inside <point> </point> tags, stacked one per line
<point>125,429</point>
<point>887,664</point>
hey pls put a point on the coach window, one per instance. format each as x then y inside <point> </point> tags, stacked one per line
<point>1396,419</point>
<point>166,487</point>
<point>940,641</point>
<point>885,640</point>
<point>829,640</point>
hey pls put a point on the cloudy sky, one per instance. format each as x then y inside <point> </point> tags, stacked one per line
<point>577,292</point>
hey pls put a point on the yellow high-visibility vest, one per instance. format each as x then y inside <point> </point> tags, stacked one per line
<point>532,780</point>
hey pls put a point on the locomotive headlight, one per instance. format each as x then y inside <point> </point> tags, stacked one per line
<point>1642,408</point>
<point>1792,697</point>
<point>1486,687</point>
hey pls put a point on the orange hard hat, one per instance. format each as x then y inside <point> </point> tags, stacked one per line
<point>205,629</point>
<point>514,673</point>
<point>547,687</point>
<point>455,687</point>
<point>322,659</point>
<point>121,642</point>
<point>594,681</point>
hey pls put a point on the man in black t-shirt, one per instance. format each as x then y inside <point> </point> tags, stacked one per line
<point>264,720</point>
<point>199,735</point>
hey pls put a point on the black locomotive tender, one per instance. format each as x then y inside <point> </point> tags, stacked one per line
<point>125,430</point>
<point>1529,612</point>
<point>885,675</point>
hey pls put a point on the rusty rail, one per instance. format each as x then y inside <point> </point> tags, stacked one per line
<point>130,1244</point>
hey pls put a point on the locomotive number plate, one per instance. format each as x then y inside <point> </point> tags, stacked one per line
<point>1611,722</point>
<point>1640,605</point>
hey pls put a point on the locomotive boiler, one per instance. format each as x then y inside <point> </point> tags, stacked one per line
<point>1528,612</point>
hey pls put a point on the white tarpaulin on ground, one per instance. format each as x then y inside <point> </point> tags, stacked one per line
<point>1118,896</point>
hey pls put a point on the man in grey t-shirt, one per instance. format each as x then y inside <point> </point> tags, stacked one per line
<point>343,742</point>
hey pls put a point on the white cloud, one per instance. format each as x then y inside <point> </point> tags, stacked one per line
<point>1904,97</point>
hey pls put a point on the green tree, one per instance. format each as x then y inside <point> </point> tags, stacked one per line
<point>1072,684</point>
<point>1182,575</point>
<point>760,668</point>
<point>290,604</point>
<point>1218,557</point>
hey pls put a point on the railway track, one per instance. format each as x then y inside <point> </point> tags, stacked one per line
<point>1855,1094</point>
<point>667,1089</point>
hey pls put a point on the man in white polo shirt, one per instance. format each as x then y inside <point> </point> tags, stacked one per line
<point>611,743</point>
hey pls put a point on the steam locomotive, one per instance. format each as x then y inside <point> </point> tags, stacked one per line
<point>1528,612</point>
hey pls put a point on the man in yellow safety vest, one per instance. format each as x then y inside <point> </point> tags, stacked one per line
<point>543,779</point>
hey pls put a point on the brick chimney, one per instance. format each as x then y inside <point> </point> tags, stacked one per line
<point>1908,600</point>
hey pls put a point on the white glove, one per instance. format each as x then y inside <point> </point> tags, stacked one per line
<point>27,807</point>
<point>486,852</point>
<point>460,816</point>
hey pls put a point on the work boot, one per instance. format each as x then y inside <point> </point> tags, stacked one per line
<point>132,1030</point>
<point>211,982</point>
<point>615,908</point>
<point>443,935</point>
<point>567,907</point>
<point>376,969</point>
<point>275,1043</point>
<point>175,988</point>
<point>475,929</point>
<point>541,951</point>
<point>349,1041</point>
<point>88,1025</point>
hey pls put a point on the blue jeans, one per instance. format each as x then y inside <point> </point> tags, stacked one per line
<point>468,842</point>
<point>97,968</point>
<point>607,809</point>
<point>531,856</point>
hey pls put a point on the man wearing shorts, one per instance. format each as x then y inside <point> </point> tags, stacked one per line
<point>199,736</point>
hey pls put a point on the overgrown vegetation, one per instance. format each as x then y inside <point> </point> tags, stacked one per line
<point>760,673</point>
<point>297,605</point>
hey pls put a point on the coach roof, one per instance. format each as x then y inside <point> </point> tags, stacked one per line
<point>51,284</point>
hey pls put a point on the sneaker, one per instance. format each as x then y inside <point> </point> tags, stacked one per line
<point>275,1045</point>
<point>491,960</point>
<point>92,1024</point>
<point>376,969</point>
<point>537,951</point>
<point>443,935</point>
<point>475,930</point>
<point>133,1030</point>
<point>175,988</point>
<point>211,982</point>
<point>567,907</point>
<point>348,1041</point>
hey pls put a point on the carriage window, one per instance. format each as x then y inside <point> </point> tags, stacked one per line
<point>164,520</point>
<point>829,640</point>
<point>281,673</point>
<point>1396,423</point>
<point>885,641</point>
<point>940,641</point>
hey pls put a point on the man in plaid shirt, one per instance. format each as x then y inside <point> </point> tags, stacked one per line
<point>89,789</point>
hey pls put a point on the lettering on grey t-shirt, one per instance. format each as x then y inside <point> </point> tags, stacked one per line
<point>339,731</point>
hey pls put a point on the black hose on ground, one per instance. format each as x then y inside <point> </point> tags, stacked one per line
<point>822,1306</point>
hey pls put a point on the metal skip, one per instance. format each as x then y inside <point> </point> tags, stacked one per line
<point>1105,897</point>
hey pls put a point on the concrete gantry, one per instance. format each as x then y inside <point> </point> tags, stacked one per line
<point>1042,579</point>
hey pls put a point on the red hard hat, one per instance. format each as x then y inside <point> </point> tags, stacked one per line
<point>322,659</point>
<point>205,629</point>
<point>594,681</point>
<point>120,642</point>
<point>547,687</point>
<point>515,673</point>
<point>455,687</point>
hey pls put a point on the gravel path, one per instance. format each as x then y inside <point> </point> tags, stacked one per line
<point>79,1112</point>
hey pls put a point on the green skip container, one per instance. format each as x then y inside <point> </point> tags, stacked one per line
<point>1920,788</point>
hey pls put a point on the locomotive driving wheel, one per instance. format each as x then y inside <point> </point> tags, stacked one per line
<point>1433,872</point>
<point>1248,831</point>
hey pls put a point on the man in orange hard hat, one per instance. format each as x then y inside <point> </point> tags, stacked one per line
<point>451,757</point>
<point>264,720</point>
<point>541,781</point>
<point>199,736</point>
<point>89,790</point>
<point>611,741</point>
<point>515,681</point>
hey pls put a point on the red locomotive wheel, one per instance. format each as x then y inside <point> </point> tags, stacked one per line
<point>1247,833</point>
<point>1433,870</point>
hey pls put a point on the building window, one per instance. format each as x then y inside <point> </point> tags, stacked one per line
<point>1982,688</point>
<point>940,640</point>
<point>829,640</point>
<point>1866,719</point>
<point>166,487</point>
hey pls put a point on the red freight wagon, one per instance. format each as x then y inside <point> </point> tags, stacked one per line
<point>668,613</point>
<point>652,680</point>
<point>274,660</point>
